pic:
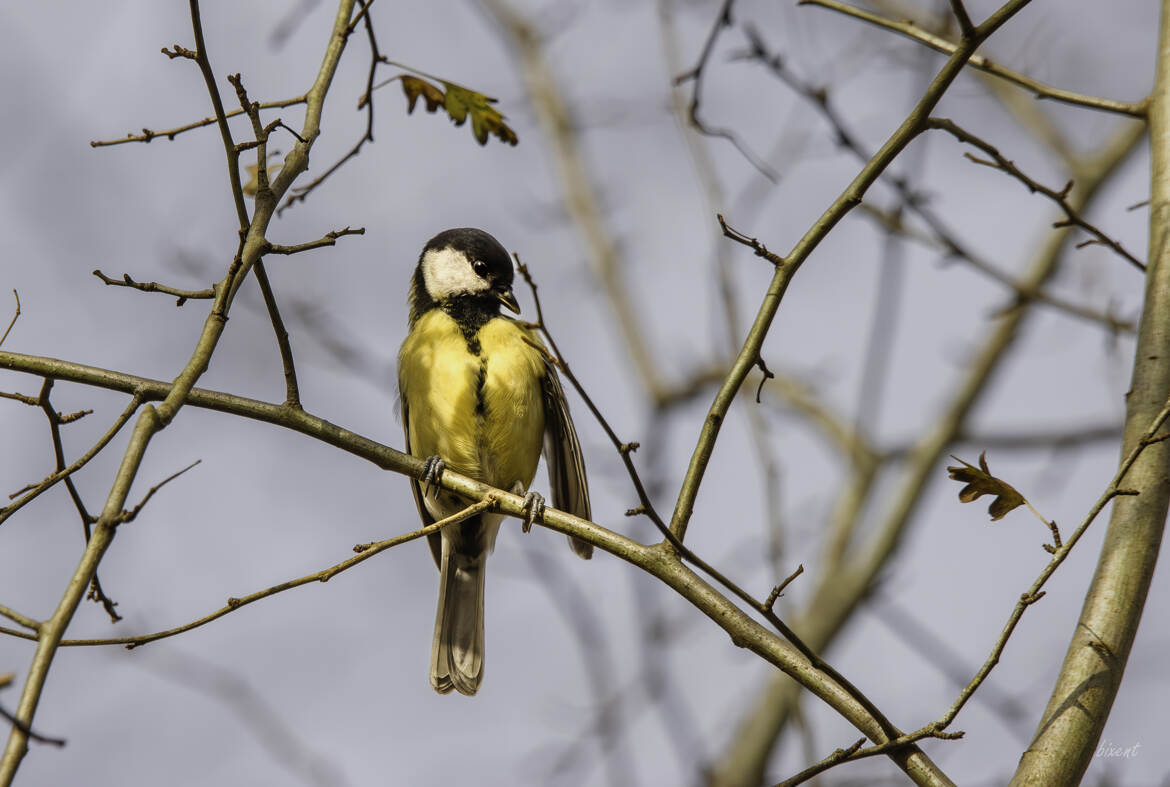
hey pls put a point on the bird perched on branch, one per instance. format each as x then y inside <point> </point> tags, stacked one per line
<point>481,397</point>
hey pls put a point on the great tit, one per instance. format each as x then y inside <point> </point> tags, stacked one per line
<point>480,397</point>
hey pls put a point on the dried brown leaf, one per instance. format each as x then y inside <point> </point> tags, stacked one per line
<point>979,481</point>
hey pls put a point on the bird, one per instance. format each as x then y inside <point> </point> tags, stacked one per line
<point>479,395</point>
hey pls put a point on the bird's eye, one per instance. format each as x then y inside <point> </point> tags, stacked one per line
<point>480,268</point>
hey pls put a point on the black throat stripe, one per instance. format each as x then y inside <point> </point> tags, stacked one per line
<point>471,314</point>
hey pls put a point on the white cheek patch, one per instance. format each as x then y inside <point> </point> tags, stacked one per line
<point>447,272</point>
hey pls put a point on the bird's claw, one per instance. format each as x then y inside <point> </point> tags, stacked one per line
<point>534,509</point>
<point>432,468</point>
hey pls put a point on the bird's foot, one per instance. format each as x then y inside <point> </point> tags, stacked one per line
<point>432,468</point>
<point>534,509</point>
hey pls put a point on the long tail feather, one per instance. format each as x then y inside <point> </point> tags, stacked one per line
<point>457,649</point>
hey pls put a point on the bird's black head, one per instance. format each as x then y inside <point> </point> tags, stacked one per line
<point>462,269</point>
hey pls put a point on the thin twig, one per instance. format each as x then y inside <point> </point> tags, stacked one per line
<point>624,449</point>
<point>330,239</point>
<point>935,650</point>
<point>20,619</point>
<point>965,25</point>
<point>777,591</point>
<point>837,757</point>
<point>233,154</point>
<point>1036,592</point>
<point>855,752</point>
<point>852,196</point>
<point>684,552</point>
<point>943,236</point>
<point>939,44</point>
<point>32,401</point>
<point>999,162</point>
<point>301,193</point>
<point>582,199</point>
<point>655,561</point>
<point>263,193</point>
<point>1028,598</point>
<point>15,316</point>
<point>128,516</point>
<point>150,419</point>
<point>752,243</point>
<point>940,239</point>
<point>825,614</point>
<point>31,492</point>
<point>151,286</point>
<point>28,731</point>
<point>147,135</point>
<point>723,20</point>
<point>96,592</point>
<point>364,553</point>
<point>292,395</point>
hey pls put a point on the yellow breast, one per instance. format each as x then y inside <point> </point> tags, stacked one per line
<point>482,412</point>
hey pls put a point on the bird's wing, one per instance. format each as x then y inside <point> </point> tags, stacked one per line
<point>434,540</point>
<point>562,452</point>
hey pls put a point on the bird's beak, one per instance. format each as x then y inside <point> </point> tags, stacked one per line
<point>508,299</point>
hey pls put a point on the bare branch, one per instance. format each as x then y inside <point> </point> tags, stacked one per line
<point>777,591</point>
<point>32,401</point>
<point>942,235</point>
<point>264,195</point>
<point>365,552</point>
<point>723,20</point>
<point>1041,90</point>
<point>936,651</point>
<point>147,135</point>
<point>150,286</point>
<point>832,604</point>
<point>1103,636</point>
<point>855,752</point>
<point>330,239</point>
<point>852,196</point>
<point>1028,598</point>
<point>646,505</point>
<point>941,239</point>
<point>765,609</point>
<point>301,193</point>
<point>1059,197</point>
<point>965,25</point>
<point>28,731</point>
<point>128,516</point>
<point>87,520</point>
<point>580,195</point>
<point>21,620</point>
<point>1035,592</point>
<point>653,559</point>
<point>752,243</point>
<point>28,494</point>
<point>292,395</point>
<point>150,419</point>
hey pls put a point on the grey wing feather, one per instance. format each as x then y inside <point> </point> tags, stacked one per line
<point>434,541</point>
<point>562,452</point>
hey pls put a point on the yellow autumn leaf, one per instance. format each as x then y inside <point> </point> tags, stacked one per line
<point>458,101</point>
